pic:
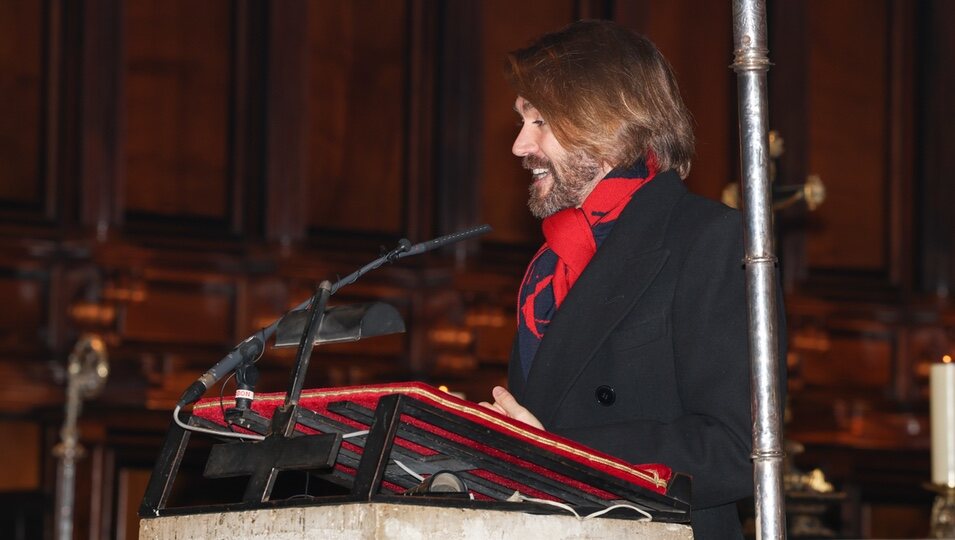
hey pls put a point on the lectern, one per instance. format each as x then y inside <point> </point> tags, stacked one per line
<point>380,442</point>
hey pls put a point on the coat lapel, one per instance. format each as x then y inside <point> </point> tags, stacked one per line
<point>621,270</point>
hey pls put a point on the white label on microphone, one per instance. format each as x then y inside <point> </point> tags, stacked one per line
<point>241,393</point>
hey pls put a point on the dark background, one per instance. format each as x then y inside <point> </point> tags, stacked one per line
<point>176,174</point>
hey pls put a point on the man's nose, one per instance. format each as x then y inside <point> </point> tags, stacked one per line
<point>525,144</point>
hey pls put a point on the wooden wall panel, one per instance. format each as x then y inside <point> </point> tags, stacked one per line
<point>21,104</point>
<point>507,26</point>
<point>132,486</point>
<point>177,88</point>
<point>848,133</point>
<point>356,136</point>
<point>93,131</point>
<point>458,120</point>
<point>936,142</point>
<point>843,95</point>
<point>23,315</point>
<point>19,456</point>
<point>851,361</point>
<point>182,312</point>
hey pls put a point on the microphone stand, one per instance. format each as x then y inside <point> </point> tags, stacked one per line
<point>305,347</point>
<point>247,374</point>
<point>322,449</point>
<point>314,452</point>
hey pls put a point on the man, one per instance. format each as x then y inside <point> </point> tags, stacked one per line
<point>632,330</point>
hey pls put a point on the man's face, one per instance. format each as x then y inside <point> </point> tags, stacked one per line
<point>561,178</point>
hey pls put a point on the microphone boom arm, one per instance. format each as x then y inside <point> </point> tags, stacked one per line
<point>253,346</point>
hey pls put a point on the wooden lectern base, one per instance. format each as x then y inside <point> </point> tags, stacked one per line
<point>383,521</point>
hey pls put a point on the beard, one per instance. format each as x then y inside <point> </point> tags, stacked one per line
<point>571,180</point>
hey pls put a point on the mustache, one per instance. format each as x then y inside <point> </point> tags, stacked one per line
<point>534,162</point>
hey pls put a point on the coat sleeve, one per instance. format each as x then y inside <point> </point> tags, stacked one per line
<point>711,436</point>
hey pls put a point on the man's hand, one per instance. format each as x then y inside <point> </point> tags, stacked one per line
<point>505,404</point>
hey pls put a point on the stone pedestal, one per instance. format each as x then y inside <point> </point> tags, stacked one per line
<point>381,521</point>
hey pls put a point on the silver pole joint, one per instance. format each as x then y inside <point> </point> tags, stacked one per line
<point>751,59</point>
<point>768,455</point>
<point>772,259</point>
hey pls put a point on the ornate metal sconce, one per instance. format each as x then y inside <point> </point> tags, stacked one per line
<point>87,370</point>
<point>813,191</point>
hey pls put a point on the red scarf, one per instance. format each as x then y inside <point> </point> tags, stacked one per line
<point>570,234</point>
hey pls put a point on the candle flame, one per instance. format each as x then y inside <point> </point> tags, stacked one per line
<point>947,359</point>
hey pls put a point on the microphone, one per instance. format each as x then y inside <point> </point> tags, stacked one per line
<point>403,246</point>
<point>252,348</point>
<point>247,351</point>
<point>445,240</point>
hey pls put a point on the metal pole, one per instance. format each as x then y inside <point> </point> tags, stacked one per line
<point>751,64</point>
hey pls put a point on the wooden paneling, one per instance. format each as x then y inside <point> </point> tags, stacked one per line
<point>459,122</point>
<point>936,140</point>
<point>19,456</point>
<point>848,133</point>
<point>177,89</point>
<point>355,142</point>
<point>844,100</point>
<point>182,312</point>
<point>95,145</point>
<point>287,106</point>
<point>787,102</point>
<point>132,486</point>
<point>507,26</point>
<point>896,521</point>
<point>21,103</point>
<point>853,361</point>
<point>24,314</point>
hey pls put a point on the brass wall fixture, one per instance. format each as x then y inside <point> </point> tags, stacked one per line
<point>87,370</point>
<point>813,191</point>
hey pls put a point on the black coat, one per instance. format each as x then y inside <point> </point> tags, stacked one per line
<point>647,357</point>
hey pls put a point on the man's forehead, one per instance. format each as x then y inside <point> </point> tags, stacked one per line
<point>522,106</point>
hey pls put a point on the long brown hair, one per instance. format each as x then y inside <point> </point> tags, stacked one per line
<point>607,91</point>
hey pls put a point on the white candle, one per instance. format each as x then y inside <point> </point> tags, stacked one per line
<point>942,397</point>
